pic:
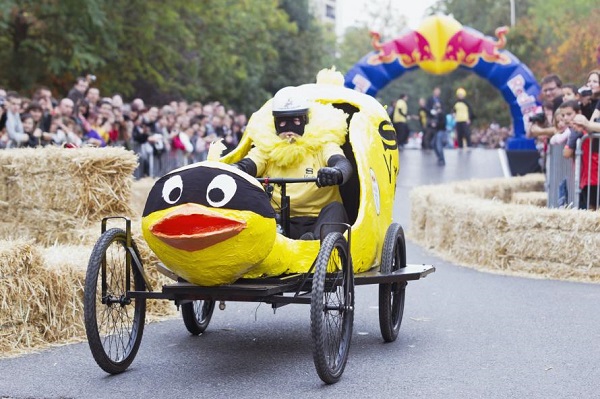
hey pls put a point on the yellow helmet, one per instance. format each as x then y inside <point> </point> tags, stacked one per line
<point>460,92</point>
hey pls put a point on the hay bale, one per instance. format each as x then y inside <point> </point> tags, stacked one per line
<point>470,229</point>
<point>534,198</point>
<point>140,190</point>
<point>42,294</point>
<point>50,193</point>
<point>21,304</point>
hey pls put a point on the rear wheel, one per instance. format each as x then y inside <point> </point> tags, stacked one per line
<point>114,322</point>
<point>391,295</point>
<point>332,308</point>
<point>196,315</point>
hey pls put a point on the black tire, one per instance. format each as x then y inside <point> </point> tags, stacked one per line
<point>114,324</point>
<point>197,315</point>
<point>332,308</point>
<point>391,295</point>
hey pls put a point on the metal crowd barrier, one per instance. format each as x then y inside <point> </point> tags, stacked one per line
<point>157,165</point>
<point>560,178</point>
<point>564,176</point>
<point>590,199</point>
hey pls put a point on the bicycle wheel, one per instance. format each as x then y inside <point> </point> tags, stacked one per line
<point>197,315</point>
<point>391,295</point>
<point>332,308</point>
<point>114,322</point>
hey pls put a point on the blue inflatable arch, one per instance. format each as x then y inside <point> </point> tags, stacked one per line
<point>467,49</point>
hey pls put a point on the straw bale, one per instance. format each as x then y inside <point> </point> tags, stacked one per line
<point>21,275</point>
<point>42,293</point>
<point>47,191</point>
<point>536,198</point>
<point>500,189</point>
<point>471,229</point>
<point>139,193</point>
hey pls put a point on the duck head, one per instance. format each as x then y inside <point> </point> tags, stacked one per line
<point>209,222</point>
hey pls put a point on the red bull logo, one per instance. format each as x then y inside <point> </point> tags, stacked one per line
<point>439,46</point>
<point>410,49</point>
<point>468,48</point>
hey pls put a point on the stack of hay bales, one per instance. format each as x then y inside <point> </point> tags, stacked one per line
<point>473,223</point>
<point>53,200</point>
<point>51,194</point>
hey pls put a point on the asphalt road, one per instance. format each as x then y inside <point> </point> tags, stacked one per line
<point>465,334</point>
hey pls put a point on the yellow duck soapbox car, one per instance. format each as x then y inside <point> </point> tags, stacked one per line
<point>215,232</point>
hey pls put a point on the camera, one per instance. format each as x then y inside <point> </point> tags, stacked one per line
<point>540,117</point>
<point>584,91</point>
<point>91,78</point>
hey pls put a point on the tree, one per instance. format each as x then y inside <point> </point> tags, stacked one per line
<point>42,41</point>
<point>303,50</point>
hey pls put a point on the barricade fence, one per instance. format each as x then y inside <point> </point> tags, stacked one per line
<point>573,183</point>
<point>155,164</point>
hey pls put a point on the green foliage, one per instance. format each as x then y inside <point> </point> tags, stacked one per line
<point>44,40</point>
<point>234,51</point>
<point>303,51</point>
<point>354,45</point>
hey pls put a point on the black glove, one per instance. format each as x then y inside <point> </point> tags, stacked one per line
<point>329,177</point>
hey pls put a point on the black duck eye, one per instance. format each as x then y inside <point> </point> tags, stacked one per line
<point>172,189</point>
<point>220,190</point>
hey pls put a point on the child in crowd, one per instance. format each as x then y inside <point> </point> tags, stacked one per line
<point>569,92</point>
<point>35,135</point>
<point>562,129</point>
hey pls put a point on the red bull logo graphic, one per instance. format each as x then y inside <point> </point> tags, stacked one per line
<point>410,50</point>
<point>439,46</point>
<point>468,48</point>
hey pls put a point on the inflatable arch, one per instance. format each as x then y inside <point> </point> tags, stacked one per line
<point>441,45</point>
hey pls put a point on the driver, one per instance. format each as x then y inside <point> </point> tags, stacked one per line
<point>302,139</point>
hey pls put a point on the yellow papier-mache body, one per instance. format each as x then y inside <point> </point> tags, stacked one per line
<point>256,250</point>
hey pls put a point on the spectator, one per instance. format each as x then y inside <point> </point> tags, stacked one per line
<point>438,123</point>
<point>41,121</point>
<point>580,126</point>
<point>56,135</point>
<point>101,126</point>
<point>117,101</point>
<point>400,119</point>
<point>569,92</point>
<point>430,130</point>
<point>562,130</point>
<point>14,128</point>
<point>35,135</point>
<point>120,134</point>
<point>464,116</point>
<point>201,144</point>
<point>593,83</point>
<point>93,97</point>
<point>65,108</point>
<point>77,92</point>
<point>82,114</point>
<point>542,126</point>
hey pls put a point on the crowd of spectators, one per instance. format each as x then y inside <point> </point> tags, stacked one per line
<point>568,115</point>
<point>165,137</point>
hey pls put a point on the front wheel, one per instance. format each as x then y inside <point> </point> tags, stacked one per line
<point>391,295</point>
<point>332,307</point>
<point>114,322</point>
<point>196,315</point>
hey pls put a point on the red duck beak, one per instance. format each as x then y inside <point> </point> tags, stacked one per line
<point>193,227</point>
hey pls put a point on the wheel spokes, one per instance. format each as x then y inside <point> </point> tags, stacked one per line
<point>115,312</point>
